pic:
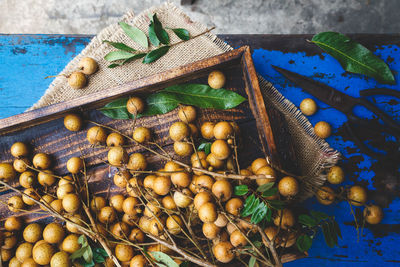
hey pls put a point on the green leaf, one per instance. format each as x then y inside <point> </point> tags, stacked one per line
<point>82,262</point>
<point>118,55</point>
<point>241,190</point>
<point>259,213</point>
<point>275,204</point>
<point>155,54</point>
<point>83,241</point>
<point>152,35</point>
<point>203,96</point>
<point>319,215</point>
<point>307,220</point>
<point>161,34</point>
<point>353,56</point>
<point>88,254</point>
<point>270,192</point>
<point>78,253</point>
<point>327,235</point>
<point>120,46</point>
<point>163,258</point>
<point>268,217</point>
<point>135,34</point>
<point>252,261</point>
<point>183,34</point>
<point>250,206</point>
<point>99,255</point>
<point>133,57</point>
<point>101,251</point>
<point>206,147</point>
<point>304,243</point>
<point>337,229</point>
<point>117,109</point>
<point>265,187</point>
<point>184,264</point>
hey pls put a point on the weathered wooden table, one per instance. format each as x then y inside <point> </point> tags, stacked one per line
<point>26,59</point>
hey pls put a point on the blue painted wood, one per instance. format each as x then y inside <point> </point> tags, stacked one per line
<point>26,60</point>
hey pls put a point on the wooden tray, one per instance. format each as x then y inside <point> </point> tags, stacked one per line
<point>43,128</point>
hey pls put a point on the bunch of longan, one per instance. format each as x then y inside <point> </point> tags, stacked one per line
<point>322,129</point>
<point>78,79</point>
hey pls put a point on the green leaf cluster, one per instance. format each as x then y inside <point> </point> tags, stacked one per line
<point>168,99</point>
<point>86,256</point>
<point>163,260</point>
<point>206,147</point>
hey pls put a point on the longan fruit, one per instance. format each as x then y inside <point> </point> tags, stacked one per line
<point>168,203</point>
<point>117,156</point>
<point>156,226</point>
<point>233,206</point>
<point>202,164</point>
<point>210,230</point>
<point>32,233</point>
<point>151,209</point>
<point>60,259</point>
<point>96,135</point>
<point>7,172</point>
<point>32,193</point>
<point>187,114</point>
<point>144,223</point>
<point>194,131</point>
<point>57,205</point>
<point>70,243</point>
<point>357,195</point>
<point>223,252</point>
<point>132,187</point>
<point>322,129</point>
<point>46,178</point>
<point>19,149</point>
<point>221,220</point>
<point>238,239</point>
<point>287,239</point>
<point>136,235</point>
<point>213,161</point>
<point>149,181</point>
<point>288,186</point>
<point>88,65</point>
<point>13,224</point>
<point>53,233</point>
<point>142,135</point>
<point>130,220</point>
<point>97,203</point>
<point>29,263</point>
<point>10,240</point>
<point>174,224</point>
<point>207,130</point>
<point>46,200</point>
<point>220,149</point>
<point>198,155</point>
<point>138,261</point>
<point>71,203</point>
<point>65,180</point>
<point>288,219</point>
<point>258,163</point>
<point>117,201</point>
<point>162,185</point>
<point>74,165</point>
<point>183,149</point>
<point>373,214</point>
<point>181,179</point>
<point>325,195</point>
<point>75,218</point>
<point>77,80</point>
<point>216,79</point>
<point>171,166</point>
<point>135,105</point>
<point>21,164</point>
<point>64,190</point>
<point>107,215</point>
<point>271,232</point>
<point>42,254</point>
<point>203,182</point>
<point>120,229</point>
<point>24,251</point>
<point>201,198</point>
<point>179,131</point>
<point>115,139</point>
<point>121,178</point>
<point>308,106</point>
<point>183,199</point>
<point>137,162</point>
<point>208,212</point>
<point>222,189</point>
<point>266,170</point>
<point>41,161</point>
<point>6,254</point>
<point>223,130</point>
<point>15,203</point>
<point>14,262</point>
<point>73,122</point>
<point>335,175</point>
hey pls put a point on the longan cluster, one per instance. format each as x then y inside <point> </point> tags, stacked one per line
<point>78,79</point>
<point>309,108</point>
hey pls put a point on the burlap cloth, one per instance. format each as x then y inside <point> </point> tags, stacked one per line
<point>314,154</point>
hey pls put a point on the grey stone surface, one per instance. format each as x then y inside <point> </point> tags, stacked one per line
<point>229,16</point>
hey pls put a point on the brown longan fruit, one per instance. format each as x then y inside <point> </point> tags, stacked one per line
<point>288,186</point>
<point>74,165</point>
<point>144,223</point>
<point>201,198</point>
<point>202,164</point>
<point>179,131</point>
<point>171,166</point>
<point>77,219</point>
<point>13,224</point>
<point>10,240</point>
<point>210,230</point>
<point>187,114</point>
<point>121,178</point>
<point>174,224</point>
<point>214,162</point>
<point>136,235</point>
<point>266,170</point>
<point>308,106</point>
<point>181,179</point>
<point>203,182</point>
<point>198,155</point>
<point>70,244</point>
<point>287,239</point>
<point>29,263</point>
<point>373,214</point>
<point>149,181</point>
<point>137,162</point>
<point>60,259</point>
<point>183,149</point>
<point>15,203</point>
<point>220,149</point>
<point>73,122</point>
<point>357,195</point>
<point>14,262</point>
<point>221,220</point>
<point>194,131</point>
<point>322,129</point>
<point>117,201</point>
<point>325,195</point>
<point>222,189</point>
<point>77,80</point>
<point>53,233</point>
<point>117,156</point>
<point>7,172</point>
<point>152,209</point>
<point>208,212</point>
<point>32,193</point>
<point>216,79</point>
<point>88,65</point>
<point>238,239</point>
<point>42,254</point>
<point>6,254</point>
<point>168,203</point>
<point>19,149</point>
<point>258,163</point>
<point>115,139</point>
<point>64,190</point>
<point>287,221</point>
<point>132,187</point>
<point>223,252</point>
<point>65,180</point>
<point>46,200</point>
<point>41,161</point>
<point>57,205</point>
<point>142,135</point>
<point>96,135</point>
<point>183,199</point>
<point>207,130</point>
<point>21,164</point>
<point>97,203</point>
<point>223,130</point>
<point>162,185</point>
<point>107,215</point>
<point>120,229</point>
<point>130,220</point>
<point>135,105</point>
<point>335,175</point>
<point>32,233</point>
<point>71,203</point>
<point>233,206</point>
<point>130,206</point>
<point>46,178</point>
<point>271,232</point>
<point>138,261</point>
<point>156,226</point>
